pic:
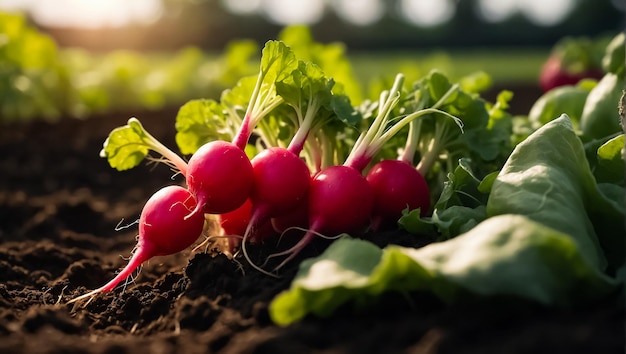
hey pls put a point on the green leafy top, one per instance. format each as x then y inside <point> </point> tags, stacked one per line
<point>284,105</point>
<point>331,57</point>
<point>202,120</point>
<point>277,63</point>
<point>128,145</point>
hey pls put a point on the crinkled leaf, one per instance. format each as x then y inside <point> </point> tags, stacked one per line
<point>613,60</point>
<point>277,62</point>
<point>476,82</point>
<point>412,222</point>
<point>306,88</point>
<point>457,219</point>
<point>460,183</point>
<point>238,96</point>
<point>547,178</point>
<point>611,160</point>
<point>201,121</point>
<point>563,99</point>
<point>600,115</point>
<point>126,146</point>
<point>306,82</point>
<point>513,255</point>
<point>346,113</point>
<point>493,140</point>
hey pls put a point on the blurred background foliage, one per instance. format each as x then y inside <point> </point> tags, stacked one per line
<point>81,58</point>
<point>367,25</point>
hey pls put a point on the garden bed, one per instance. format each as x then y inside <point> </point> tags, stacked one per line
<point>61,204</point>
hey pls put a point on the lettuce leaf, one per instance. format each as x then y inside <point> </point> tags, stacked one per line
<point>548,179</point>
<point>504,255</point>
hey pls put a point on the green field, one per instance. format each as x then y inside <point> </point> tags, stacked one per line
<point>503,65</point>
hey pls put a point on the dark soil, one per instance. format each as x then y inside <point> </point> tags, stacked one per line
<point>60,207</point>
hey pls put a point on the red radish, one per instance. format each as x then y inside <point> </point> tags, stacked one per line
<point>235,223</point>
<point>572,59</point>
<point>220,177</point>
<point>281,182</point>
<point>340,201</point>
<point>554,74</point>
<point>164,229</point>
<point>397,186</point>
<point>297,217</point>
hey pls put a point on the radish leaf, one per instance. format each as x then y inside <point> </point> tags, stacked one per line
<point>201,121</point>
<point>128,145</point>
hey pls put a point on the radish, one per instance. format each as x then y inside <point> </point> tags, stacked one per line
<point>297,217</point>
<point>235,223</point>
<point>281,177</point>
<point>570,60</point>
<point>220,177</point>
<point>281,182</point>
<point>397,185</point>
<point>164,229</point>
<point>340,201</point>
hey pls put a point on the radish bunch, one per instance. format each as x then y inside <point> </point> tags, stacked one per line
<point>323,182</point>
<point>219,176</point>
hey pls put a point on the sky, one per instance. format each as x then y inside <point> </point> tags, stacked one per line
<point>423,13</point>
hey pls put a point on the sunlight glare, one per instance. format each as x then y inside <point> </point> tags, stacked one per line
<point>494,11</point>
<point>547,13</point>
<point>88,13</point>
<point>286,12</point>
<point>427,13</point>
<point>242,7</point>
<point>359,12</point>
<point>539,12</point>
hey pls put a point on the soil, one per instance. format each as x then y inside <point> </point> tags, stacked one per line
<point>67,226</point>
